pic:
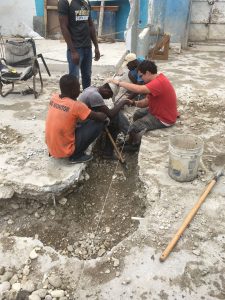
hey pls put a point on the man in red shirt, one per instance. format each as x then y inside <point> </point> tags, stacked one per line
<point>159,108</point>
<point>63,136</point>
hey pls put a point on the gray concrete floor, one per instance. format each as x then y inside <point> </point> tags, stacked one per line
<point>54,52</point>
<point>195,269</point>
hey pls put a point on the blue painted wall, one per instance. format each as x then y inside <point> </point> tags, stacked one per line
<point>120,16</point>
<point>143,13</point>
<point>39,8</point>
<point>172,16</point>
<point>177,20</point>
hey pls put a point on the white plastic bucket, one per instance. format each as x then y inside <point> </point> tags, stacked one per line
<point>185,152</point>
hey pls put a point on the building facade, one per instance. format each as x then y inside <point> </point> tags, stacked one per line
<point>140,21</point>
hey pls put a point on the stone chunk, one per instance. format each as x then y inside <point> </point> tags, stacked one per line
<point>57,293</point>
<point>6,192</point>
<point>4,286</point>
<point>55,281</point>
<point>101,252</point>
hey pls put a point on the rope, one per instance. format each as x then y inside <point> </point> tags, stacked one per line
<point>103,208</point>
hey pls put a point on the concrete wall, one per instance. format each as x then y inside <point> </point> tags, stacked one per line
<point>13,12</point>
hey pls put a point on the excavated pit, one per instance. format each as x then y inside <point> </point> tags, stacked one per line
<point>88,221</point>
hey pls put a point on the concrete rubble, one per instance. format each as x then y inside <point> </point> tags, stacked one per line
<point>131,269</point>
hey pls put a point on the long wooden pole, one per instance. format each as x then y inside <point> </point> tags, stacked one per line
<point>101,17</point>
<point>121,159</point>
<point>187,221</point>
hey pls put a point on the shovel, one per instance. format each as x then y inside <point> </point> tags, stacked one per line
<point>195,209</point>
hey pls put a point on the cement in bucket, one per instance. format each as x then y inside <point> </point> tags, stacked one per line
<point>185,152</point>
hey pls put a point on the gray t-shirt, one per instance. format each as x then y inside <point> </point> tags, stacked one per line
<point>78,12</point>
<point>91,97</point>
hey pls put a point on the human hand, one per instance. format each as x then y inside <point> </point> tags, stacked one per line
<point>97,54</point>
<point>126,102</point>
<point>114,81</point>
<point>75,57</point>
<point>131,102</point>
<point>107,121</point>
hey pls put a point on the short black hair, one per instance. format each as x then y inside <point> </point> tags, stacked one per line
<point>106,86</point>
<point>147,65</point>
<point>69,85</point>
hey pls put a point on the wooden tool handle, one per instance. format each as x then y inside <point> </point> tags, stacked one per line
<point>114,145</point>
<point>186,222</point>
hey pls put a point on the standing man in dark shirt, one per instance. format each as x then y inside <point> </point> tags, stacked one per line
<point>78,31</point>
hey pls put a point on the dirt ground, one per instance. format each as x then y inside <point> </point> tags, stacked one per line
<point>84,244</point>
<point>75,224</point>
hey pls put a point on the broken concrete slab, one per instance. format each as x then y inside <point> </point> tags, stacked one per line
<point>26,167</point>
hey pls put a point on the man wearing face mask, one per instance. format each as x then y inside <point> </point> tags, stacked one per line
<point>79,32</point>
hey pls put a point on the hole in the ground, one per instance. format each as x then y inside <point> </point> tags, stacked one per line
<point>95,218</point>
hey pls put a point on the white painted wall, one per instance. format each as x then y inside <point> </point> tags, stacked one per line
<point>13,12</point>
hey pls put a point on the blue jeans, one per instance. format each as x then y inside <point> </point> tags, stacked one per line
<point>85,134</point>
<point>84,66</point>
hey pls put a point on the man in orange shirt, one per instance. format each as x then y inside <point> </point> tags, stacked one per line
<point>63,136</point>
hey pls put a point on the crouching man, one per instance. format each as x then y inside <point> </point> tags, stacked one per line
<point>63,136</point>
<point>94,97</point>
<point>159,108</point>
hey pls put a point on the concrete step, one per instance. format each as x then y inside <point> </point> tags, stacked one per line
<point>207,46</point>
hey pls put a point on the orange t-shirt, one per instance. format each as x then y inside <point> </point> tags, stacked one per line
<point>61,121</point>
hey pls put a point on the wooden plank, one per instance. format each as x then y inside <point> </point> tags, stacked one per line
<point>161,49</point>
<point>52,7</point>
<point>101,17</point>
<point>110,8</point>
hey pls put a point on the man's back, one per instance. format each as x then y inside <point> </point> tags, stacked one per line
<point>62,117</point>
<point>91,97</point>
<point>162,99</point>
